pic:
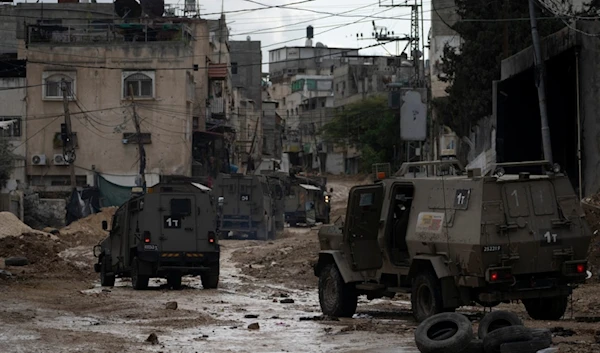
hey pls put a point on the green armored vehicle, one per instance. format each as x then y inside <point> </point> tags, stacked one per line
<point>168,232</point>
<point>456,238</point>
<point>247,208</point>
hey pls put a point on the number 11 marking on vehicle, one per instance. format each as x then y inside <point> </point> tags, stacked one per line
<point>173,222</point>
<point>550,237</point>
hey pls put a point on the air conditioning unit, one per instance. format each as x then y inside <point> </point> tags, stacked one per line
<point>38,159</point>
<point>59,159</point>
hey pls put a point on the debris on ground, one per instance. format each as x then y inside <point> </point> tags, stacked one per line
<point>88,230</point>
<point>16,261</point>
<point>254,326</point>
<point>5,274</point>
<point>171,306</point>
<point>152,339</point>
<point>11,226</point>
<point>287,301</point>
<point>250,316</point>
<point>503,332</point>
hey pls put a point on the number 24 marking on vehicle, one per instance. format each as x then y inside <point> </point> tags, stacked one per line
<point>550,237</point>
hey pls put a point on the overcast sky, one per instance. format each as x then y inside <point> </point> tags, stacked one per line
<point>335,22</point>
<point>279,27</point>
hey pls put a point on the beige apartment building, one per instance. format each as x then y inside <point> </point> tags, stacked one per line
<point>171,71</point>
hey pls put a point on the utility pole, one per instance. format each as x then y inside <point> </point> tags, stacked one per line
<point>142,151</point>
<point>67,135</point>
<point>540,83</point>
<point>505,31</point>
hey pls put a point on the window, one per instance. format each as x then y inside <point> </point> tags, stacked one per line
<point>132,138</point>
<point>234,68</point>
<point>140,82</point>
<point>53,89</point>
<point>181,207</point>
<point>13,129</point>
<point>195,123</point>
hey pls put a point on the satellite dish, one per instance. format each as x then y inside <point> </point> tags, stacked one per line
<point>155,8</point>
<point>320,45</point>
<point>128,8</point>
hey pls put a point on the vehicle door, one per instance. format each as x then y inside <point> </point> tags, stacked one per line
<point>362,226</point>
<point>178,229</point>
<point>118,234</point>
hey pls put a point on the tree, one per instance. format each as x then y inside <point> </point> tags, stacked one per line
<point>370,126</point>
<point>6,162</point>
<point>471,69</point>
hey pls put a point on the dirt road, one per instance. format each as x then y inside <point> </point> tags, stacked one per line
<point>57,305</point>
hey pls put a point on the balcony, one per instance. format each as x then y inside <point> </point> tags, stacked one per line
<point>215,108</point>
<point>217,71</point>
<point>108,33</point>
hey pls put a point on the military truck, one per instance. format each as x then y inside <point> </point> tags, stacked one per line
<point>168,232</point>
<point>454,238</point>
<point>247,207</point>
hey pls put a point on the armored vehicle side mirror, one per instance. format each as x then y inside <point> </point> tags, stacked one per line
<point>104,225</point>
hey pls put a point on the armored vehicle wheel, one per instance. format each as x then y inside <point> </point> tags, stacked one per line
<point>210,279</point>
<point>138,281</point>
<point>174,280</point>
<point>106,280</point>
<point>546,308</point>
<point>426,297</point>
<point>337,298</point>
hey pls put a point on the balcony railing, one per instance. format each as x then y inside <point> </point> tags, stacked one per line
<point>109,32</point>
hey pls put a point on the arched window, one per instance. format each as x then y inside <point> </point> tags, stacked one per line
<point>142,84</point>
<point>53,85</point>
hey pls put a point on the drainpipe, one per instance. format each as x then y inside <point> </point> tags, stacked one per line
<point>541,86</point>
<point>578,123</point>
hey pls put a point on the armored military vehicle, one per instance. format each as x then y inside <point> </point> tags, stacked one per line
<point>455,238</point>
<point>169,232</point>
<point>247,207</point>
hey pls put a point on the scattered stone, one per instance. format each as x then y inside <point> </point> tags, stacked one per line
<point>250,316</point>
<point>5,274</point>
<point>171,306</point>
<point>153,339</point>
<point>287,301</point>
<point>283,295</point>
<point>106,290</point>
<point>52,230</point>
<point>16,261</point>
<point>254,326</point>
<point>562,332</point>
<point>319,318</point>
<point>274,300</point>
<point>275,317</point>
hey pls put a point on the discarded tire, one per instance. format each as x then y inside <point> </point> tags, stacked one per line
<point>542,334</point>
<point>475,346</point>
<point>531,346</point>
<point>496,320</point>
<point>444,333</point>
<point>16,261</point>
<point>511,334</point>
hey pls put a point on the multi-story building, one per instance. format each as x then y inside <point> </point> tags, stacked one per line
<point>171,72</point>
<point>246,62</point>
<point>13,95</point>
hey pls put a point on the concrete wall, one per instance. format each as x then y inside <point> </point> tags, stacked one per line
<point>13,104</point>
<point>248,58</point>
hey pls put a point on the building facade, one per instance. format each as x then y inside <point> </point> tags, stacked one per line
<point>171,74</point>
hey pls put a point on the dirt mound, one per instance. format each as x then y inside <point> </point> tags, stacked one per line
<point>591,206</point>
<point>41,250</point>
<point>10,225</point>
<point>88,230</point>
<point>288,260</point>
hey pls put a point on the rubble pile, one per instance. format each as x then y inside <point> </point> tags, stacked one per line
<point>291,257</point>
<point>591,206</point>
<point>11,226</point>
<point>88,230</point>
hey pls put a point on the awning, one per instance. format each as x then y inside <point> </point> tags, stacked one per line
<point>310,187</point>
<point>201,187</point>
